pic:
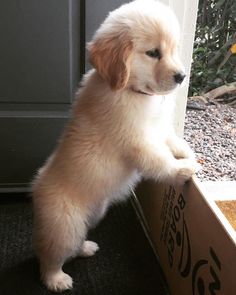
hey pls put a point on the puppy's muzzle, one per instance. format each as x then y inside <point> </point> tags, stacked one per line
<point>179,77</point>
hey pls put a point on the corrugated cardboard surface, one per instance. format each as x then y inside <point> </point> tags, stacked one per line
<point>196,252</point>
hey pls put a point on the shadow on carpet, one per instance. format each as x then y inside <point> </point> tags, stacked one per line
<point>124,265</point>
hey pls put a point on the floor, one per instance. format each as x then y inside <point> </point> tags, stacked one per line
<point>124,265</point>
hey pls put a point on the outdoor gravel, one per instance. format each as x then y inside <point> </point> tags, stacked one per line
<point>212,135</point>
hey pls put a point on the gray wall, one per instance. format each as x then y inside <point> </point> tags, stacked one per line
<point>39,69</point>
<point>42,58</point>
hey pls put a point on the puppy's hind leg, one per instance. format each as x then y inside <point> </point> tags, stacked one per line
<point>98,213</point>
<point>54,277</point>
<point>89,248</point>
<point>58,238</point>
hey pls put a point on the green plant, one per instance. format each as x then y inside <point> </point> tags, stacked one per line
<point>215,34</point>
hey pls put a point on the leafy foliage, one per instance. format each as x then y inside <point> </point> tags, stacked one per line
<point>213,63</point>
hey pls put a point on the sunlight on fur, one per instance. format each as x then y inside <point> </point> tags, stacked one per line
<point>121,130</point>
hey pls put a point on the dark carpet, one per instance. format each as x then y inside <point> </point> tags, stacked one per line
<point>124,265</point>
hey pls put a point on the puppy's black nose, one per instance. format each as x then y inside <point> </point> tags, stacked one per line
<point>179,77</point>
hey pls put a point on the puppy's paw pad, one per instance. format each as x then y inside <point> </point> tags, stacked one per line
<point>88,249</point>
<point>186,170</point>
<point>58,282</point>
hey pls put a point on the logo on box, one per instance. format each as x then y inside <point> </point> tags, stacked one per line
<point>203,272</point>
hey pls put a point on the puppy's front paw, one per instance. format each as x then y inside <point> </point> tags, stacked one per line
<point>186,169</point>
<point>185,153</point>
<point>180,148</point>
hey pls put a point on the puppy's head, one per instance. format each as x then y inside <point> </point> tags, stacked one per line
<point>137,48</point>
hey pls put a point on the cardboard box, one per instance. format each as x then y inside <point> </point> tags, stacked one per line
<point>194,241</point>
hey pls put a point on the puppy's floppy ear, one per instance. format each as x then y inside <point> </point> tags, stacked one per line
<point>110,55</point>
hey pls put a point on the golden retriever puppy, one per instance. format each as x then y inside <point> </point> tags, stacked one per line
<point>120,130</point>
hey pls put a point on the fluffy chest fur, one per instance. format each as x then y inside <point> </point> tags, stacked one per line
<point>124,116</point>
<point>104,130</point>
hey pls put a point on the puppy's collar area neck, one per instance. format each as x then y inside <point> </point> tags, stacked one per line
<point>148,94</point>
<point>141,92</point>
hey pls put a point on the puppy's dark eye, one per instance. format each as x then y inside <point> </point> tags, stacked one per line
<point>153,53</point>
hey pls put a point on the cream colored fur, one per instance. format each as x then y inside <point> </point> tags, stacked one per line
<point>117,134</point>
